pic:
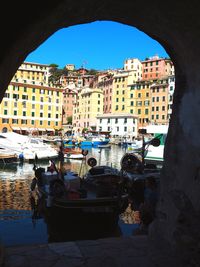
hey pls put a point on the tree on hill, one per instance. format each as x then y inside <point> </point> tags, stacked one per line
<point>56,73</point>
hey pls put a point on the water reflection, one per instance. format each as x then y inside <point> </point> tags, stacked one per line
<point>15,180</point>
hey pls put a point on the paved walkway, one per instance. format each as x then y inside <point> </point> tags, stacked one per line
<point>109,252</point>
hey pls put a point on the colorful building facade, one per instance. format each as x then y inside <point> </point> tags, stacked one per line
<point>28,108</point>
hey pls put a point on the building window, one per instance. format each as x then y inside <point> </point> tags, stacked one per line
<point>125,129</point>
<point>5,120</point>
<point>139,103</point>
<point>24,121</point>
<point>15,112</point>
<point>116,120</point>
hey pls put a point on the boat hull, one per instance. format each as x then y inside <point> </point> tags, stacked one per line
<point>82,219</point>
<point>5,159</point>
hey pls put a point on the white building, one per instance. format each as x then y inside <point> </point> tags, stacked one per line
<point>122,125</point>
<point>135,65</point>
<point>171,82</point>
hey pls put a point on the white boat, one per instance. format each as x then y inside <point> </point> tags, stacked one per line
<point>73,156</point>
<point>155,153</point>
<point>31,147</point>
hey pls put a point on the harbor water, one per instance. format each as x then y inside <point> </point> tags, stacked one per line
<point>16,224</point>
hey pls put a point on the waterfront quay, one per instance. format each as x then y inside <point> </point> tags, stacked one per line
<point>109,252</point>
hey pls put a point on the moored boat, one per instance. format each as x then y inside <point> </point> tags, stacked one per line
<point>8,157</point>
<point>73,156</point>
<point>73,201</point>
<point>31,147</point>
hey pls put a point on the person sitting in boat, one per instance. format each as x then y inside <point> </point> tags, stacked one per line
<point>147,209</point>
<point>145,218</point>
<point>151,194</point>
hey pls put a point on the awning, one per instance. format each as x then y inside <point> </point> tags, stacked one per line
<point>24,128</point>
<point>50,129</point>
<point>32,129</point>
<point>16,128</point>
<point>41,129</point>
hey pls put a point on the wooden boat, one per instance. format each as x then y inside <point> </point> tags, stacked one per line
<point>73,153</point>
<point>73,156</point>
<point>7,156</point>
<point>77,203</point>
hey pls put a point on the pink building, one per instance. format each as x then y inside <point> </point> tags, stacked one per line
<point>68,104</point>
<point>156,68</point>
<point>106,84</point>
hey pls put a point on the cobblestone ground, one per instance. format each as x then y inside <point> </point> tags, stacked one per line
<point>109,252</point>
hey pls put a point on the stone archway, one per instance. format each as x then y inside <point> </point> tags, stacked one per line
<point>176,26</point>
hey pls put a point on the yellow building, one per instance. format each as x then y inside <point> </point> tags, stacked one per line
<point>29,108</point>
<point>32,73</point>
<point>88,104</point>
<point>121,91</point>
<point>29,103</point>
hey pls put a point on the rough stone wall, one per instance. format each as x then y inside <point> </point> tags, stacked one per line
<point>176,25</point>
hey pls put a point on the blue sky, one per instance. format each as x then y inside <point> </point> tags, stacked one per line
<point>98,45</point>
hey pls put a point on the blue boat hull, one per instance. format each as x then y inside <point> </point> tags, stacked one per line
<point>97,143</point>
<point>94,143</point>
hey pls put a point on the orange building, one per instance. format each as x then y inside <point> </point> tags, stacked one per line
<point>156,68</point>
<point>159,102</point>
